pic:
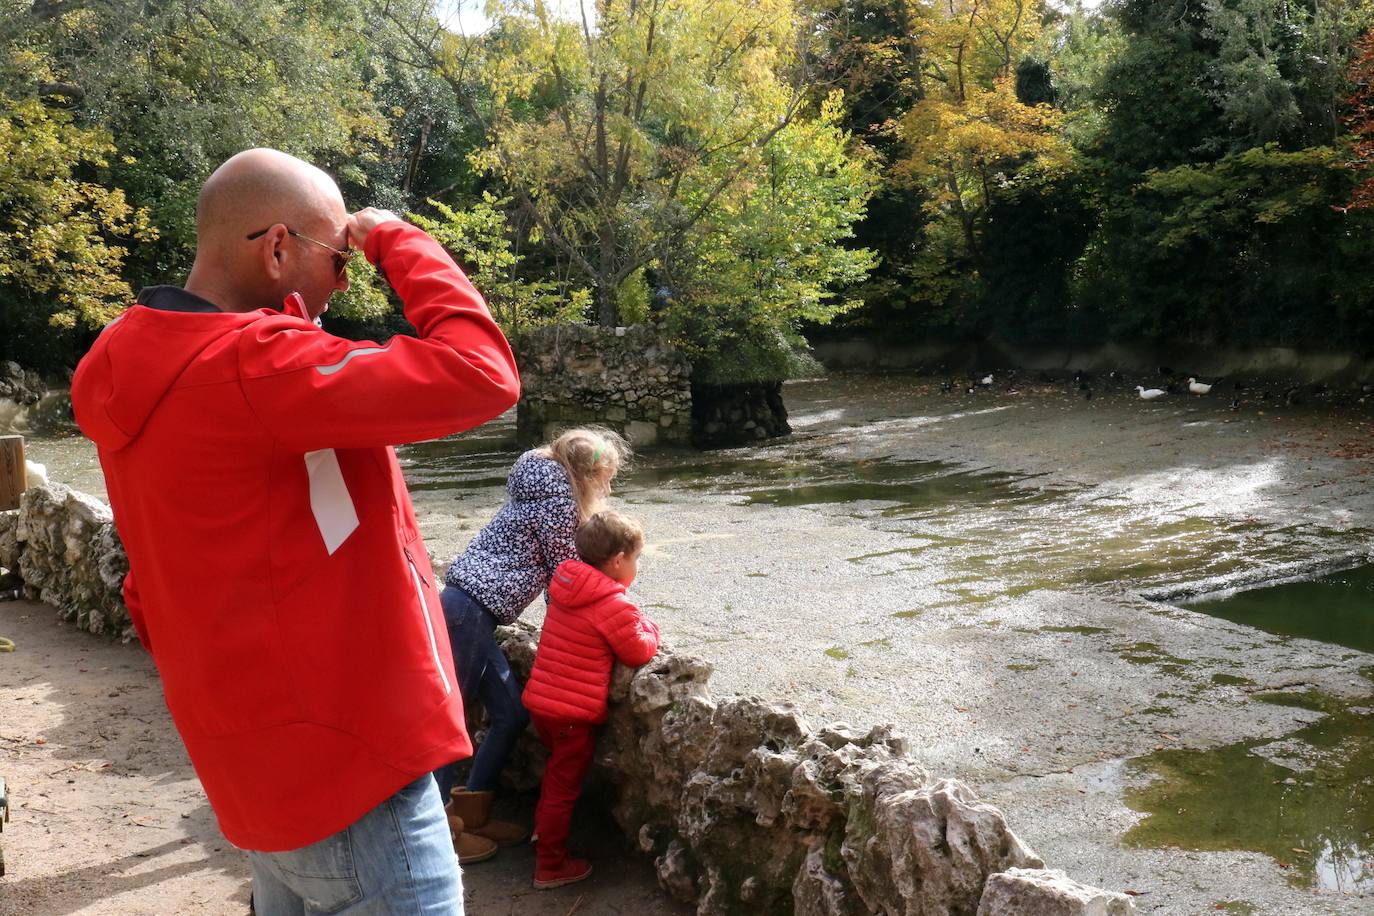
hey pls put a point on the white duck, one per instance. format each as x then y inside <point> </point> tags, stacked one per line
<point>1149,394</point>
<point>986,380</point>
<point>1197,387</point>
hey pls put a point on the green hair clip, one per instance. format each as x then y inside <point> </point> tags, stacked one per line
<point>596,455</point>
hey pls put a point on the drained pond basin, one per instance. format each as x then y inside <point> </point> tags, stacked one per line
<point>1061,601</point>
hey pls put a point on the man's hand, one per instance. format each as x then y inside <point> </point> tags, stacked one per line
<point>363,222</point>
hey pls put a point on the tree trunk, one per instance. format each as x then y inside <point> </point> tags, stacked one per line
<point>607,309</point>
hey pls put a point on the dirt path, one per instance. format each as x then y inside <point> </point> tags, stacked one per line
<point>109,818</point>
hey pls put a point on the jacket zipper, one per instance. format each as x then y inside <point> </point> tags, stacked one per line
<point>424,615</point>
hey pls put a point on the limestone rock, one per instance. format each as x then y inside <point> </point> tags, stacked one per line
<point>64,545</point>
<point>819,891</point>
<point>1041,892</point>
<point>748,809</point>
<point>925,849</point>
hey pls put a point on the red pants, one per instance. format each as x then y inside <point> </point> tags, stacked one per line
<point>570,747</point>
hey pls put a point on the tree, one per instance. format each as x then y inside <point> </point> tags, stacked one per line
<point>772,255</point>
<point>971,137</point>
<point>598,126</point>
<point>180,86</point>
<point>477,236</point>
<point>60,257</point>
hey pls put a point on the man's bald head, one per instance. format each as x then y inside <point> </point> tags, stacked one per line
<point>285,200</point>
<point>260,187</point>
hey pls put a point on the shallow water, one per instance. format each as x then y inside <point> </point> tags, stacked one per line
<point>1306,800</point>
<point>1337,608</point>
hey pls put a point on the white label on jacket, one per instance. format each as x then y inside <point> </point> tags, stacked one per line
<point>330,501</point>
<point>349,357</point>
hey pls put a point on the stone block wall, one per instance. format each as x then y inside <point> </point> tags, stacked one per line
<point>624,378</point>
<point>63,546</point>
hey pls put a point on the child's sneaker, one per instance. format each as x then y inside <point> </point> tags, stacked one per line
<point>569,871</point>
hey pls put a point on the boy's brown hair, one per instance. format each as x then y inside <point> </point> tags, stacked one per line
<point>606,534</point>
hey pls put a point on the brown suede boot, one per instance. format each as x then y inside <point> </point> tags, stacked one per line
<point>475,810</point>
<point>468,847</point>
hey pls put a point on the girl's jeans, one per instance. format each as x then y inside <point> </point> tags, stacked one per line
<point>397,858</point>
<point>483,675</point>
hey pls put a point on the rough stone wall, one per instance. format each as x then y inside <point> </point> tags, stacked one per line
<point>64,547</point>
<point>23,386</point>
<point>743,806</point>
<point>20,390</point>
<point>746,809</point>
<point>730,415</point>
<point>625,378</point>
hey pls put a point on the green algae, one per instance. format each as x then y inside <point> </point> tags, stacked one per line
<point>1148,653</point>
<point>1232,680</point>
<point>1016,666</point>
<point>1080,630</point>
<point>1315,818</point>
<point>908,615</point>
<point>837,653</point>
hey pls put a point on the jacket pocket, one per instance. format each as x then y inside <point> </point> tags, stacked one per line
<point>423,607</point>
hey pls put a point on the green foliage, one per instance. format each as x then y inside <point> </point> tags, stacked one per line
<point>1159,169</point>
<point>1265,253</point>
<point>181,86</point>
<point>771,258</point>
<point>632,298</point>
<point>60,259</point>
<point>478,239</point>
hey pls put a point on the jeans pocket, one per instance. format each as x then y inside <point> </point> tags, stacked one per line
<point>323,873</point>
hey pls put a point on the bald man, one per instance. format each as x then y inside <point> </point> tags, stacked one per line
<point>277,574</point>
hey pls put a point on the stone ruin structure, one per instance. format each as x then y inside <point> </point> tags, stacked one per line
<point>573,374</point>
<point>634,381</point>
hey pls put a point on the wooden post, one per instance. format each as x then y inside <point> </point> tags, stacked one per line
<point>13,472</point>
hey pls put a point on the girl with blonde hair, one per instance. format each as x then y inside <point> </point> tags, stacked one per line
<point>552,490</point>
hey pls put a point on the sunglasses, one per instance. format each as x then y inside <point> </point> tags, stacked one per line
<point>341,255</point>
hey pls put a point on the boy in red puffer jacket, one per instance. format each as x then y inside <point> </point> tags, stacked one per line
<point>589,625</point>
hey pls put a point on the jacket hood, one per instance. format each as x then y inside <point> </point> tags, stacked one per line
<point>576,585</point>
<point>135,361</point>
<point>534,477</point>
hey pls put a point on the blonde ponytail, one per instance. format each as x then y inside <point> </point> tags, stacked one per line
<point>591,456</point>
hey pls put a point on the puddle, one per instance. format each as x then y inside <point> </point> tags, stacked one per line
<point>1314,816</point>
<point>1336,608</point>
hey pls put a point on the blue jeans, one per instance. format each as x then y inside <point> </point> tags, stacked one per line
<point>398,858</point>
<point>483,675</point>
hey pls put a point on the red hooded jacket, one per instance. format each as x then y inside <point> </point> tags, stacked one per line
<point>589,625</point>
<point>277,572</point>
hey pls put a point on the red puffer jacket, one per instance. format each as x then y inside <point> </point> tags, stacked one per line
<point>589,625</point>
<point>277,571</point>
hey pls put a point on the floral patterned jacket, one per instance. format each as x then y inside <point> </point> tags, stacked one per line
<point>512,559</point>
